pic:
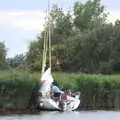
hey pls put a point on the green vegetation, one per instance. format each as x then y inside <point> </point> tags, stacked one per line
<point>16,89</point>
<point>17,62</point>
<point>84,43</point>
<point>2,56</point>
<point>97,91</point>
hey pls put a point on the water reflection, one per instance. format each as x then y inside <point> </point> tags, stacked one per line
<point>82,115</point>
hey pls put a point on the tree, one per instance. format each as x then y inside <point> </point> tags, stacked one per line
<point>89,15</point>
<point>2,56</point>
<point>61,25</point>
<point>115,47</point>
<point>18,61</point>
<point>34,55</point>
<point>81,43</point>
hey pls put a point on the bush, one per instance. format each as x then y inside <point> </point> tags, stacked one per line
<point>16,89</point>
<point>97,91</point>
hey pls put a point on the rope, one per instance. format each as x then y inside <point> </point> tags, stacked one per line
<point>44,48</point>
<point>44,52</point>
<point>47,41</point>
<point>49,34</point>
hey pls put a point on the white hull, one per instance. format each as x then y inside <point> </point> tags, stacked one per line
<point>67,105</point>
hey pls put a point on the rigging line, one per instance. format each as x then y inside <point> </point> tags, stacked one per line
<point>44,49</point>
<point>44,53</point>
<point>49,32</point>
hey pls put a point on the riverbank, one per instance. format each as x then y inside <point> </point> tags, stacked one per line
<point>18,112</point>
<point>19,90</point>
<point>97,91</point>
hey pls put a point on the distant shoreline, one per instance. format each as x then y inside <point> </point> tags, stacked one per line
<point>27,111</point>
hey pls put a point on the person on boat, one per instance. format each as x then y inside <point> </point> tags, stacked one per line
<point>56,91</point>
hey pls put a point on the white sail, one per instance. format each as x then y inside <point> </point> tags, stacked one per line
<point>46,81</point>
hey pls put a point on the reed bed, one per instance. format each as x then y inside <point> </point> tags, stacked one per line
<point>16,89</point>
<point>97,91</point>
<point>19,90</point>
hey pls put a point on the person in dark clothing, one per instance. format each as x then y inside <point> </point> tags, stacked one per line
<point>56,91</point>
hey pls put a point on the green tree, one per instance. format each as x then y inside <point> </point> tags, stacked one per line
<point>83,42</point>
<point>34,55</point>
<point>115,47</point>
<point>61,25</point>
<point>2,56</point>
<point>18,61</point>
<point>89,15</point>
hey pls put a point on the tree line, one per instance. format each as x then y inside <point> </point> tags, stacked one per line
<point>82,41</point>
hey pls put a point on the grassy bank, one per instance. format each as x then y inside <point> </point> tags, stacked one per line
<point>97,91</point>
<point>18,90</point>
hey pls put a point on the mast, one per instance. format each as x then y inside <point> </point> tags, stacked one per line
<point>47,40</point>
<point>49,33</point>
<point>45,47</point>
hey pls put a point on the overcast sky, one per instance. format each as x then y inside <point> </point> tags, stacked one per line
<point>22,20</point>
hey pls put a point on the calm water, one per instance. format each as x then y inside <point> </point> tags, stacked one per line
<point>82,115</point>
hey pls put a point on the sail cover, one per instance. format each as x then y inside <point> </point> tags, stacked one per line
<point>46,81</point>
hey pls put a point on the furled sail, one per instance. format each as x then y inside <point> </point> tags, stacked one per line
<point>46,81</point>
<point>46,78</point>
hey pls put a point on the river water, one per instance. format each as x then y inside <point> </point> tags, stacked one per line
<point>81,115</point>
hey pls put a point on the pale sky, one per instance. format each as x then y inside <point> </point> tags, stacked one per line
<point>22,20</point>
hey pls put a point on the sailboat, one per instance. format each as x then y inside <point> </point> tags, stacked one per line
<point>45,100</point>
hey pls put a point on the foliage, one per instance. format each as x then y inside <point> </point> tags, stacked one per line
<point>97,91</point>
<point>61,25</point>
<point>2,56</point>
<point>34,55</point>
<point>17,61</point>
<point>89,15</point>
<point>16,89</point>
<point>83,42</point>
